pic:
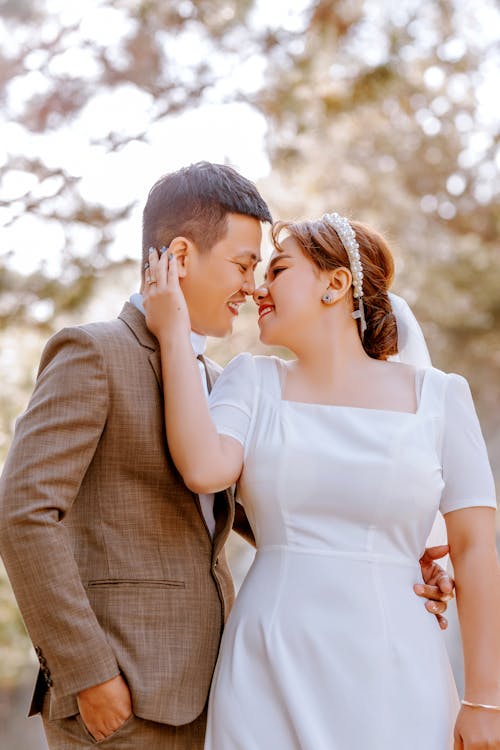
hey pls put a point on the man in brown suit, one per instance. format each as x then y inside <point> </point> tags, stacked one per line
<point>118,569</point>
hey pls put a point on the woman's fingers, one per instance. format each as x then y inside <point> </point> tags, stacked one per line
<point>173,270</point>
<point>161,272</point>
<point>162,269</point>
<point>150,273</point>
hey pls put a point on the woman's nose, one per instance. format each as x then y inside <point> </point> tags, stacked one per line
<point>260,293</point>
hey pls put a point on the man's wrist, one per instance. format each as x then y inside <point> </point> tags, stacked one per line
<point>87,690</point>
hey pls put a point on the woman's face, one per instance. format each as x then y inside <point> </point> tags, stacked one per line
<point>289,300</point>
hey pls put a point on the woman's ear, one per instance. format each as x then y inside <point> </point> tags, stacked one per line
<point>339,282</point>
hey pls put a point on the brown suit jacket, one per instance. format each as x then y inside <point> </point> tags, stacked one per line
<point>107,551</point>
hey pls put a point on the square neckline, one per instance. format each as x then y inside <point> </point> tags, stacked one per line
<point>280,367</point>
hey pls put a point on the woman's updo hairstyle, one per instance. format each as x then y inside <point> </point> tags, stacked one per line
<point>320,242</point>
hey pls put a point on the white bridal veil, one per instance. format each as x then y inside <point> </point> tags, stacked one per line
<point>412,350</point>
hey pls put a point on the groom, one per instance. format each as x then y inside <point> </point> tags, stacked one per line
<point>118,569</point>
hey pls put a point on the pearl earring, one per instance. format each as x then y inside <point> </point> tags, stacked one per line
<point>327,298</point>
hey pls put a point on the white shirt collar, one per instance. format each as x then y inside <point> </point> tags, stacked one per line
<point>198,342</point>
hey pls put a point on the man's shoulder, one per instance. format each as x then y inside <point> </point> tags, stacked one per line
<point>104,329</point>
<point>105,337</point>
<point>101,333</point>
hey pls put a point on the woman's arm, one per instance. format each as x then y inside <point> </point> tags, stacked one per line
<point>207,461</point>
<point>471,535</point>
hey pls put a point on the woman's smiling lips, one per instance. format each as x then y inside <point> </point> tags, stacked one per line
<point>264,310</point>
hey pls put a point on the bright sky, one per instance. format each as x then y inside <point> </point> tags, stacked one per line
<point>233,133</point>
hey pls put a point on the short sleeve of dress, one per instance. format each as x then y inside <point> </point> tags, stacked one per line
<point>232,397</point>
<point>466,469</point>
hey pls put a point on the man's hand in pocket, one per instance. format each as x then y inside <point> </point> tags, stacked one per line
<point>105,707</point>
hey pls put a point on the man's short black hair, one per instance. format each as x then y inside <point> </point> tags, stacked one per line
<point>194,202</point>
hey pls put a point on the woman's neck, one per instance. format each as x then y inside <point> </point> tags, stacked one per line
<point>331,360</point>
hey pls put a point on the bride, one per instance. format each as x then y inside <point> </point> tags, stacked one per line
<point>342,459</point>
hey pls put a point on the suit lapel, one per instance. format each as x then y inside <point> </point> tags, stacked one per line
<point>224,501</point>
<point>155,362</point>
<point>135,320</point>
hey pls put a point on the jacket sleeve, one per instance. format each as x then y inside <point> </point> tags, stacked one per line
<point>54,442</point>
<point>242,526</point>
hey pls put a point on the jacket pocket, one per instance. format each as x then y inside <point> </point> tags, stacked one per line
<point>141,582</point>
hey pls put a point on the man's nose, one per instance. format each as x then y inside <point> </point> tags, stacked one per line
<point>248,286</point>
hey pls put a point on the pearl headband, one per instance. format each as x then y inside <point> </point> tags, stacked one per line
<point>348,239</point>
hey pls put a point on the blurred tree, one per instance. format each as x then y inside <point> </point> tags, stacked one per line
<point>387,113</point>
<point>55,64</point>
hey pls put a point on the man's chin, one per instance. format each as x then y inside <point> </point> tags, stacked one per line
<point>223,333</point>
<point>219,332</point>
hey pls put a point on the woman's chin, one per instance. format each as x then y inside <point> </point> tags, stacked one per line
<point>265,338</point>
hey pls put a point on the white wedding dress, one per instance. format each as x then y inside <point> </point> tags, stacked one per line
<point>327,646</point>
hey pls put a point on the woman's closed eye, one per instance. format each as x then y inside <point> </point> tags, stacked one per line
<point>276,270</point>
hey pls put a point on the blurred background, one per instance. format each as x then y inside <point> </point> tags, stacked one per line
<point>385,112</point>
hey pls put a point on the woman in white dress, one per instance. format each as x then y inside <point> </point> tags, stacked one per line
<point>342,460</point>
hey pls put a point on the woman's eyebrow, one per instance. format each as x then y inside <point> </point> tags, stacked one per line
<point>273,262</point>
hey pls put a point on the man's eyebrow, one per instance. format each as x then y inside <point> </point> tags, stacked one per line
<point>273,262</point>
<point>247,254</point>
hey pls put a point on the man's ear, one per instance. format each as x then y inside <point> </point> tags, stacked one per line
<point>183,249</point>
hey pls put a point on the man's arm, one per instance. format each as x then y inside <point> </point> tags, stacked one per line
<point>54,442</point>
<point>241,524</point>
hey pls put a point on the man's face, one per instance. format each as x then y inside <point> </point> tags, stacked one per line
<point>217,281</point>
